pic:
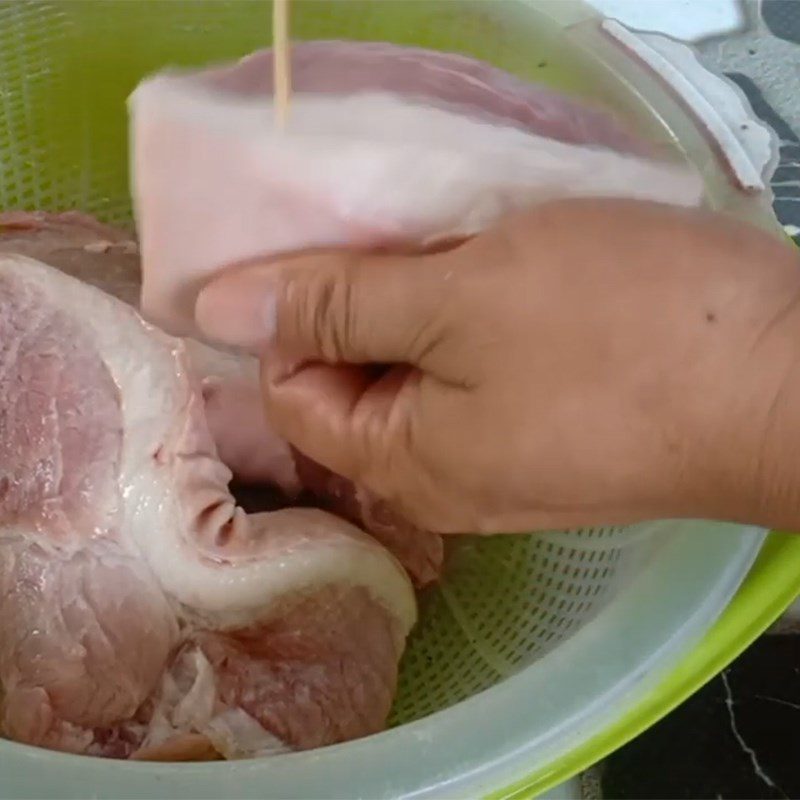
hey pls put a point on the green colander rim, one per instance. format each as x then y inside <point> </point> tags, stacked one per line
<point>771,586</point>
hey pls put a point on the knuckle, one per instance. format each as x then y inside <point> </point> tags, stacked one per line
<point>303,314</point>
<point>320,311</point>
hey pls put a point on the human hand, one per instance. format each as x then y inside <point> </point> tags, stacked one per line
<point>588,362</point>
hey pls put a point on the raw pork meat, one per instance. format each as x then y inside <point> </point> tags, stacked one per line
<point>108,258</point>
<point>79,245</point>
<point>141,613</point>
<point>384,146</point>
<point>256,454</point>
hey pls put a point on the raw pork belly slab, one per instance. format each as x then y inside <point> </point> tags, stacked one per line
<point>108,258</point>
<point>384,145</point>
<point>141,613</point>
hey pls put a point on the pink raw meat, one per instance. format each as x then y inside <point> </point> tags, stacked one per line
<point>384,146</point>
<point>108,258</point>
<point>141,612</point>
<point>474,88</point>
<point>79,245</point>
<point>255,453</point>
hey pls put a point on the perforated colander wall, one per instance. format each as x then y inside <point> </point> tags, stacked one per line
<point>507,601</point>
<point>66,68</point>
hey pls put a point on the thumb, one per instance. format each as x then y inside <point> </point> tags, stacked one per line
<point>318,320</point>
<point>334,308</point>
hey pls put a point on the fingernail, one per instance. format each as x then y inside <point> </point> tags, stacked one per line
<point>238,310</point>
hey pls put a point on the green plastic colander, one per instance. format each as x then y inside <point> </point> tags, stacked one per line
<point>539,654</point>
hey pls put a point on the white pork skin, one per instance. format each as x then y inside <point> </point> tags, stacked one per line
<point>384,146</point>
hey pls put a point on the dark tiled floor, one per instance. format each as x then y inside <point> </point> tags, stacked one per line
<point>739,737</point>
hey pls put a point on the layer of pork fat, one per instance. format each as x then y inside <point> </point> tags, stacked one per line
<point>107,257</point>
<point>384,146</point>
<point>138,607</point>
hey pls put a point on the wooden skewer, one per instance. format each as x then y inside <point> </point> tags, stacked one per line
<point>282,86</point>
